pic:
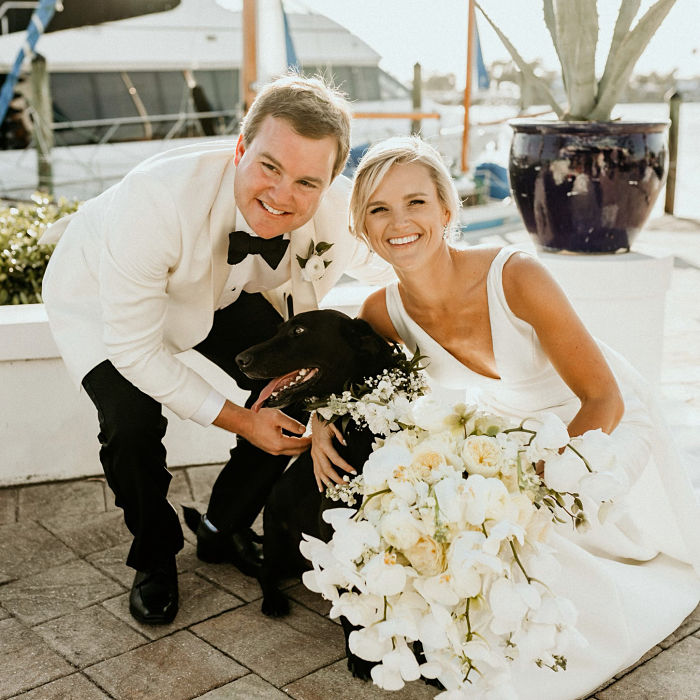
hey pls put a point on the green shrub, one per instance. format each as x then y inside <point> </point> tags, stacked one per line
<point>22,260</point>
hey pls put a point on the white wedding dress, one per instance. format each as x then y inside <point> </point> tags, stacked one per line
<point>632,579</point>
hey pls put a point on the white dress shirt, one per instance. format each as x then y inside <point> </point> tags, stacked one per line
<point>251,275</point>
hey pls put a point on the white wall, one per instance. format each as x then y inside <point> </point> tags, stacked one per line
<point>48,426</point>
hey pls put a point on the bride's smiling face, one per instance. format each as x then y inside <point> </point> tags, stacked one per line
<point>404,217</point>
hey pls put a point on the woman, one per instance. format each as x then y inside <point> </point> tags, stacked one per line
<point>494,320</point>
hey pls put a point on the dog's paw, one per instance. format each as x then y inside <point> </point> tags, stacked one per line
<point>360,668</point>
<point>434,682</point>
<point>275,604</point>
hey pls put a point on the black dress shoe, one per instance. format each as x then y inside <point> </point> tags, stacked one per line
<point>242,548</point>
<point>154,597</point>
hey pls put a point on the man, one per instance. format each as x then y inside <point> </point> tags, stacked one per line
<point>177,256</point>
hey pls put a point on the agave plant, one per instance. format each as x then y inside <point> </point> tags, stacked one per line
<point>573,26</point>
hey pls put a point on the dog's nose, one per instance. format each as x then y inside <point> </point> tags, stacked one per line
<point>243,359</point>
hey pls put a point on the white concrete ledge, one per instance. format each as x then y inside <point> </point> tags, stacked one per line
<point>25,334</point>
<point>48,426</point>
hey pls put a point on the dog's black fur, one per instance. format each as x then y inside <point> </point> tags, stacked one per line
<point>342,350</point>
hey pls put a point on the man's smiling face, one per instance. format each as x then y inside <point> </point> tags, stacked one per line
<point>281,176</point>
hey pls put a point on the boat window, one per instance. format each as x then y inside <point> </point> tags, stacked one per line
<point>90,96</point>
<point>162,93</point>
<point>220,87</point>
<point>361,83</point>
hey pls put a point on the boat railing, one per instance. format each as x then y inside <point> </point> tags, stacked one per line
<point>180,118</point>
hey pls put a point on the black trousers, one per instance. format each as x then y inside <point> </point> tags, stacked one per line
<point>133,457</point>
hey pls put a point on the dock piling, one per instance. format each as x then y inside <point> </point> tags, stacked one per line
<point>674,114</point>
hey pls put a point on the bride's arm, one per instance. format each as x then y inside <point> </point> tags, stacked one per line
<point>325,457</point>
<point>374,311</point>
<point>535,297</point>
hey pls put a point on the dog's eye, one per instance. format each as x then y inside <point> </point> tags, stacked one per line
<point>298,330</point>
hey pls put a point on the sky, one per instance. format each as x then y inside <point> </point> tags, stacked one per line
<point>433,32</point>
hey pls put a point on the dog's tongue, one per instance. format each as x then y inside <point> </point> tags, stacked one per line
<point>270,387</point>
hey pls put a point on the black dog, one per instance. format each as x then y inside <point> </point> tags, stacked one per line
<point>316,353</point>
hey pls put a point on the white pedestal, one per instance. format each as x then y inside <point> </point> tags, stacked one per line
<point>621,299</point>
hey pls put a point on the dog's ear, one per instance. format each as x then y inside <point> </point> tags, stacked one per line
<point>363,338</point>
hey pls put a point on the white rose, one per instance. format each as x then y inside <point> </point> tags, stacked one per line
<point>482,455</point>
<point>314,269</point>
<point>400,529</point>
<point>430,414</point>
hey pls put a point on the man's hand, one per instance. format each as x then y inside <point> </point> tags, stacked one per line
<point>264,429</point>
<point>324,455</point>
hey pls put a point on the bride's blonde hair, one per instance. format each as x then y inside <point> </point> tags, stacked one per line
<point>377,161</point>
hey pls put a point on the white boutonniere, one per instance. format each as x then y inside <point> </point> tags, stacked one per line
<point>313,266</point>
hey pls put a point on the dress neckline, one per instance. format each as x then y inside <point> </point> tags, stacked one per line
<point>422,332</point>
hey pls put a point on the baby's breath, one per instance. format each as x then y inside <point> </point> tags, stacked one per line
<point>378,403</point>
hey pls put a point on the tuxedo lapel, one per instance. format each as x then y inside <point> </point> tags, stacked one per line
<point>223,219</point>
<point>303,292</point>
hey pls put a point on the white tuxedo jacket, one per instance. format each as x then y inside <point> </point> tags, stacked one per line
<point>138,270</point>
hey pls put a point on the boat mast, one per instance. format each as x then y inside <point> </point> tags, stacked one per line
<point>468,86</point>
<point>249,68</point>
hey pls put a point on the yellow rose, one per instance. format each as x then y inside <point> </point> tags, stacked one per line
<point>426,556</point>
<point>424,463</point>
<point>482,455</point>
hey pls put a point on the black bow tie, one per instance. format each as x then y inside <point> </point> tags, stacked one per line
<point>241,244</point>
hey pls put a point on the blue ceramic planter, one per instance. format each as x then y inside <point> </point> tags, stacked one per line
<point>586,187</point>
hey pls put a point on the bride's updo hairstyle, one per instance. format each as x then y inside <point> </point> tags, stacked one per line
<point>377,161</point>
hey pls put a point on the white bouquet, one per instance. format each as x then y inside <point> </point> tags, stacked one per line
<point>445,567</point>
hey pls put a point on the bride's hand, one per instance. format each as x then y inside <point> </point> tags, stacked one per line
<point>324,455</point>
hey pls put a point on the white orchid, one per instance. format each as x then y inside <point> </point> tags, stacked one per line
<point>398,666</point>
<point>368,644</point>
<point>450,544</point>
<point>384,575</point>
<point>382,463</point>
<point>551,435</point>
<point>360,609</point>
<point>562,472</point>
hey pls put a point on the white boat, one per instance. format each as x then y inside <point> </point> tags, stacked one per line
<point>122,91</point>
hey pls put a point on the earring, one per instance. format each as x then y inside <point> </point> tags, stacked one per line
<point>446,231</point>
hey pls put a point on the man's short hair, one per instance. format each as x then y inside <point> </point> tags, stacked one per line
<point>312,107</point>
